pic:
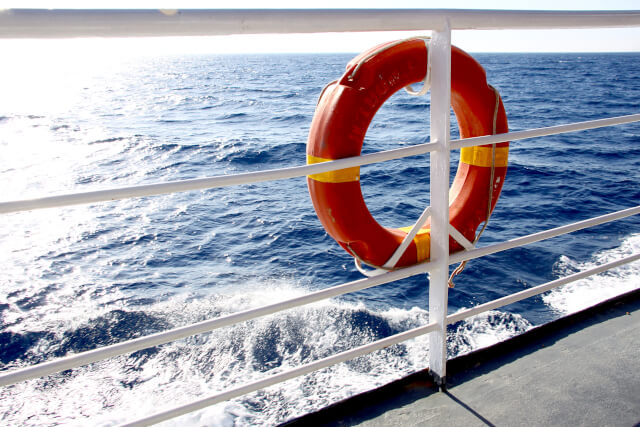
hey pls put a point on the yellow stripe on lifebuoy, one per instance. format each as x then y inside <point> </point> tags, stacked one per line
<point>481,156</point>
<point>422,241</point>
<point>341,175</point>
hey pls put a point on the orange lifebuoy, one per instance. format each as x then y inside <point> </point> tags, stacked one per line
<point>341,120</point>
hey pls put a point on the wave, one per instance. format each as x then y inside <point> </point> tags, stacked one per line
<point>174,121</point>
<point>112,139</point>
<point>207,363</point>
<point>59,127</point>
<point>261,155</point>
<point>232,116</point>
<point>585,293</point>
<point>411,106</point>
<point>291,118</point>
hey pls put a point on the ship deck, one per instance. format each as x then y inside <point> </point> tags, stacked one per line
<point>583,369</point>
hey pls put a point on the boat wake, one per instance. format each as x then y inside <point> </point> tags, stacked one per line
<point>592,290</point>
<point>146,381</point>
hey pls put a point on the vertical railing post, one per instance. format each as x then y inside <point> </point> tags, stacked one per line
<point>439,186</point>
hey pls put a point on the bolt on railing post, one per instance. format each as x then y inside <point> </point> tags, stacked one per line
<point>439,187</point>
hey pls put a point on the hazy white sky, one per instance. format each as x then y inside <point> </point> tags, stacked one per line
<point>473,41</point>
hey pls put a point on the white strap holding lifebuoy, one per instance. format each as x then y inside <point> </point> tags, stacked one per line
<point>397,254</point>
<point>391,262</point>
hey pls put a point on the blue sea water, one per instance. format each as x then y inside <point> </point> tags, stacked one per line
<point>80,277</point>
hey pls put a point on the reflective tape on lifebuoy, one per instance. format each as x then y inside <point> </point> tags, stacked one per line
<point>340,123</point>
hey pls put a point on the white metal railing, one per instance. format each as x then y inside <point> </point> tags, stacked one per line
<point>34,23</point>
<point>38,23</point>
<point>130,346</point>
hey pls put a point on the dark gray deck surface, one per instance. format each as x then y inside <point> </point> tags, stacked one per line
<point>580,371</point>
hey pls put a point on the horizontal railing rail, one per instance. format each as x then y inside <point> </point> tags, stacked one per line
<point>42,23</point>
<point>19,23</point>
<point>296,171</point>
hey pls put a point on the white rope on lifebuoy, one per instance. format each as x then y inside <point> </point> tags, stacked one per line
<point>460,267</point>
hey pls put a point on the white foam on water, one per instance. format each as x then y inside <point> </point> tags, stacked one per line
<point>484,330</point>
<point>132,386</point>
<point>585,293</point>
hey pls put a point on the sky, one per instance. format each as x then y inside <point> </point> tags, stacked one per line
<point>612,39</point>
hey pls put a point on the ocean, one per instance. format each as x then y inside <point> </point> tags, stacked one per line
<point>81,277</point>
